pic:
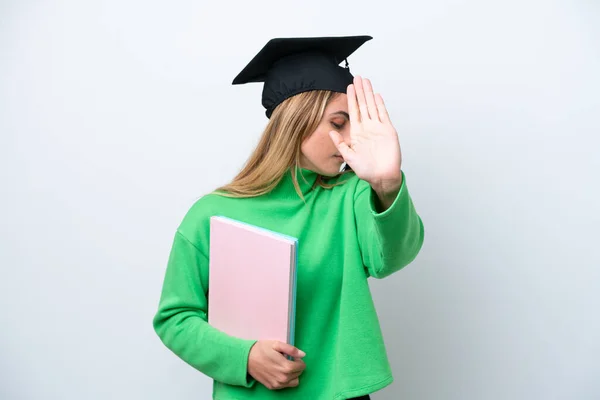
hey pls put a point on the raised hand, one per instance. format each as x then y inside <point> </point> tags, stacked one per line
<point>374,151</point>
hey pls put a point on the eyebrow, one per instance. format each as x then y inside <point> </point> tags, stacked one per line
<point>342,113</point>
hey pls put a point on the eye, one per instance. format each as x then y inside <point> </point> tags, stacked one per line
<point>337,126</point>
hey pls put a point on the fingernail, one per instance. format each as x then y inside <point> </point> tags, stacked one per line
<point>302,354</point>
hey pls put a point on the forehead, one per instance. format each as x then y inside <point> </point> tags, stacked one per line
<point>338,103</point>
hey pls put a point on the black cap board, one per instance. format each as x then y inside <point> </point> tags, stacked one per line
<point>289,66</point>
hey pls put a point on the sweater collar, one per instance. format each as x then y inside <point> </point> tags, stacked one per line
<point>306,180</point>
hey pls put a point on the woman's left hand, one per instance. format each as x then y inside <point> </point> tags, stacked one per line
<point>374,151</point>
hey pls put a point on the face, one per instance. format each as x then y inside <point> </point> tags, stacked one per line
<point>319,154</point>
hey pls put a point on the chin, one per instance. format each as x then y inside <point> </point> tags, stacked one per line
<point>330,174</point>
<point>331,171</point>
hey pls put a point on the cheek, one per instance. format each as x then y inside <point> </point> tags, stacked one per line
<point>325,146</point>
<point>317,144</point>
<point>324,139</point>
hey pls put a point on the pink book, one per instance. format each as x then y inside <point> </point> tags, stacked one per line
<point>252,281</point>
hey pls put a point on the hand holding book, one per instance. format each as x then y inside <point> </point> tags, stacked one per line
<point>268,364</point>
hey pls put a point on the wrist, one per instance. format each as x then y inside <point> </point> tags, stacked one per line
<point>387,188</point>
<point>386,192</point>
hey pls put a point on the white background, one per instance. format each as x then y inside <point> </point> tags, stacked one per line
<point>115,116</point>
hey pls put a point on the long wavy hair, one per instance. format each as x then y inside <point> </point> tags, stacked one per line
<point>279,148</point>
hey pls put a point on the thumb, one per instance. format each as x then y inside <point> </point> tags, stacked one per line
<point>288,349</point>
<point>339,143</point>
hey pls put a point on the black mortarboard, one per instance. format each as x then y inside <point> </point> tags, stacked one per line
<point>289,66</point>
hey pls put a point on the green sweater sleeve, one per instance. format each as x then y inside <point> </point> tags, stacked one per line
<point>181,320</point>
<point>389,240</point>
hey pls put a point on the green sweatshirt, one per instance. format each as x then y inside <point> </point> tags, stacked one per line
<point>342,241</point>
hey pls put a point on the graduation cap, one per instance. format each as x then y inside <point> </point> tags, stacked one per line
<point>289,66</point>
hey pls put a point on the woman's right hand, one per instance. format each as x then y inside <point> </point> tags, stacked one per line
<point>267,363</point>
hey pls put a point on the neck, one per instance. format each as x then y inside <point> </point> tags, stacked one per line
<point>306,181</point>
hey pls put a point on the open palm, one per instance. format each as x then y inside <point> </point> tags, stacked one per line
<point>374,150</point>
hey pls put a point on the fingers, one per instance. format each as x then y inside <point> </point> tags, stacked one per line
<point>295,367</point>
<point>370,97</point>
<point>283,383</point>
<point>360,97</point>
<point>288,349</point>
<point>294,383</point>
<point>288,374</point>
<point>352,105</point>
<point>362,101</point>
<point>381,110</point>
<point>291,372</point>
<point>342,147</point>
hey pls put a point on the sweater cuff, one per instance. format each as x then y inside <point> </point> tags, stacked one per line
<point>243,378</point>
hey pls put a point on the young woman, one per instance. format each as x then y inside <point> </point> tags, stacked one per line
<point>327,170</point>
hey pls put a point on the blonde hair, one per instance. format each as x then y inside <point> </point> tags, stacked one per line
<point>279,148</point>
